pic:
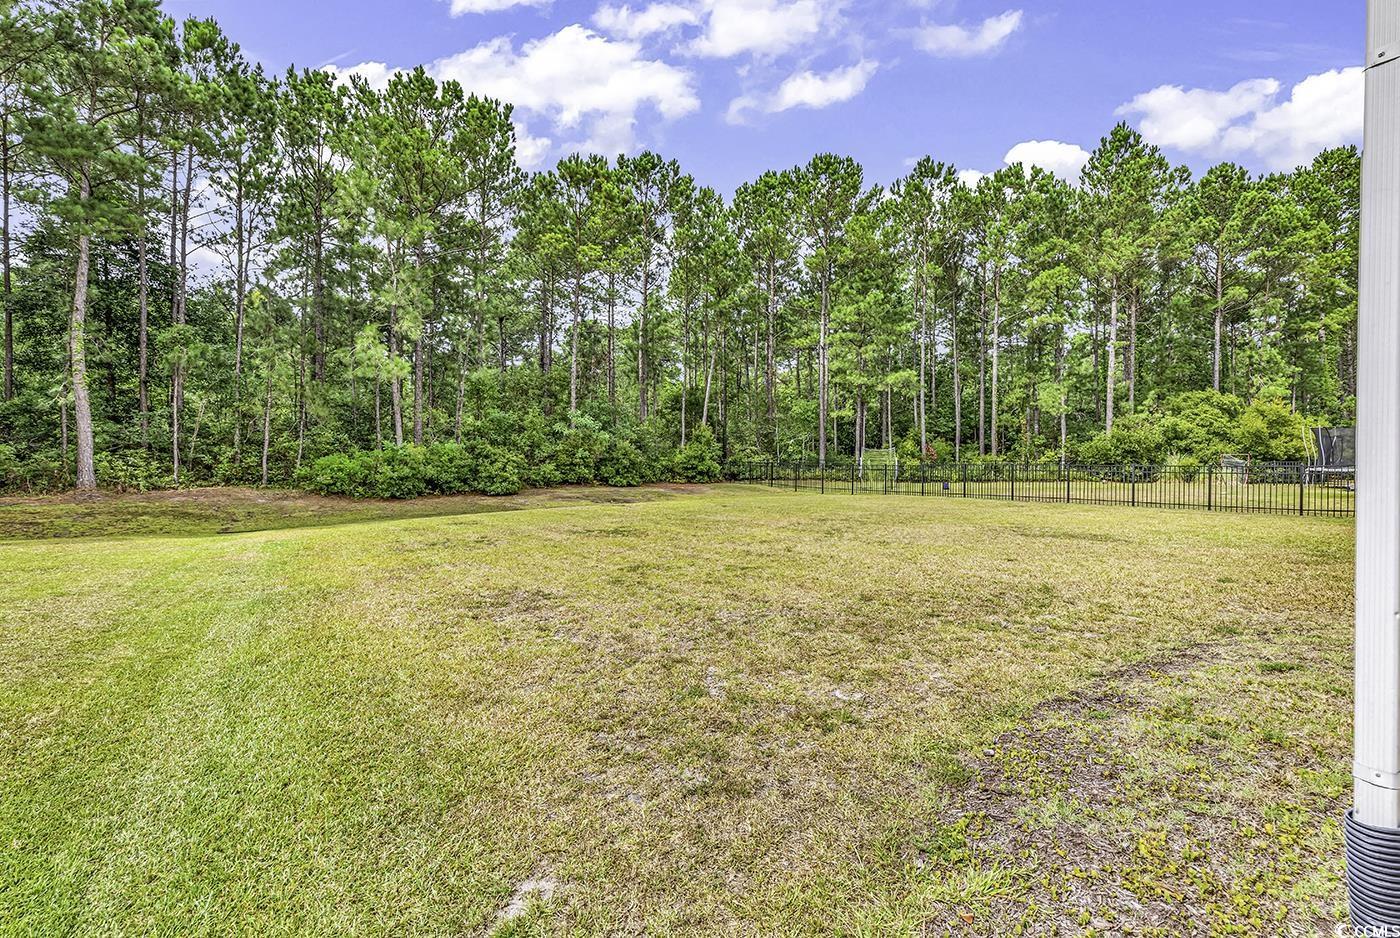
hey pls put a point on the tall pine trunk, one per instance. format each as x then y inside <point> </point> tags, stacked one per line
<point>267,423</point>
<point>1219,318</point>
<point>709,376</point>
<point>642,411</point>
<point>919,410</point>
<point>612,344</point>
<point>240,308</point>
<point>685,370</point>
<point>1131,363</point>
<point>5,256</point>
<point>822,367</point>
<point>770,373</point>
<point>418,389</point>
<point>1060,357</point>
<point>957,378</point>
<point>860,418</point>
<point>576,304</point>
<point>318,301</point>
<point>395,389</point>
<point>982,370</point>
<point>77,354</point>
<point>461,395</point>
<point>179,249</point>
<point>1111,350</point>
<point>143,304</point>
<point>996,354</point>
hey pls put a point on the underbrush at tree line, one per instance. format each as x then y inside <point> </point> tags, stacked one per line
<point>476,466</point>
<point>498,455</point>
<point>501,453</point>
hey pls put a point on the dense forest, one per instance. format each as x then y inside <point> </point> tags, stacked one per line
<point>216,275</point>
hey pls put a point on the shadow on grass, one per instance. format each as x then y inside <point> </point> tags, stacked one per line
<point>202,512</point>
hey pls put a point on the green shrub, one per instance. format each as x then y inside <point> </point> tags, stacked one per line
<point>575,454</point>
<point>398,472</point>
<point>541,475</point>
<point>1201,424</point>
<point>621,464</point>
<point>11,472</point>
<point>392,472</point>
<point>448,469</point>
<point>337,474</point>
<point>245,468</point>
<point>43,472</point>
<point>410,471</point>
<point>132,471</point>
<point>1269,430</point>
<point>1137,445</point>
<point>698,459</point>
<point>1188,468</point>
<point>492,470</point>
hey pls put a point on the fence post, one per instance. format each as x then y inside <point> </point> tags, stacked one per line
<point>922,476</point>
<point>853,478</point>
<point>884,480</point>
<point>1013,482</point>
<point>1066,471</point>
<point>796,474</point>
<point>1210,489</point>
<point>823,480</point>
<point>1301,470</point>
<point>1132,485</point>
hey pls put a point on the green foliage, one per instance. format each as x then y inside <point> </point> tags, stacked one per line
<point>132,471</point>
<point>1125,445</point>
<point>392,472</point>
<point>1202,424</point>
<point>1187,468</point>
<point>411,471</point>
<point>489,470</point>
<point>391,274</point>
<point>11,469</point>
<point>396,472</point>
<point>699,459</point>
<point>1270,430</point>
<point>621,464</point>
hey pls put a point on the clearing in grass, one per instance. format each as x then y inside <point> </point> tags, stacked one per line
<point>732,711</point>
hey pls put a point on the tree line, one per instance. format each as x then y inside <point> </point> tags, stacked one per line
<point>211,273</point>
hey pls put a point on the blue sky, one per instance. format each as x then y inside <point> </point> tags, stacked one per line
<point>733,87</point>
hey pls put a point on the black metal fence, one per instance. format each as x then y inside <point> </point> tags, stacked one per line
<point>1272,488</point>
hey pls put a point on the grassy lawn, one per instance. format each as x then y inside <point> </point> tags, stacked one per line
<point>194,512</point>
<point>734,711</point>
<point>1221,493</point>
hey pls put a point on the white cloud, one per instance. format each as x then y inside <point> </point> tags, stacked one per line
<point>1063,159</point>
<point>1249,120</point>
<point>582,83</point>
<point>376,73</point>
<point>807,89</point>
<point>955,41</point>
<point>572,74</point>
<point>460,7</point>
<point>531,152</point>
<point>810,89</point>
<point>761,27</point>
<point>971,177</point>
<point>1196,118</point>
<point>647,21</point>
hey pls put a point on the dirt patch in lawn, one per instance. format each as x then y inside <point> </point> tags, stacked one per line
<point>1194,795</point>
<point>205,511</point>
